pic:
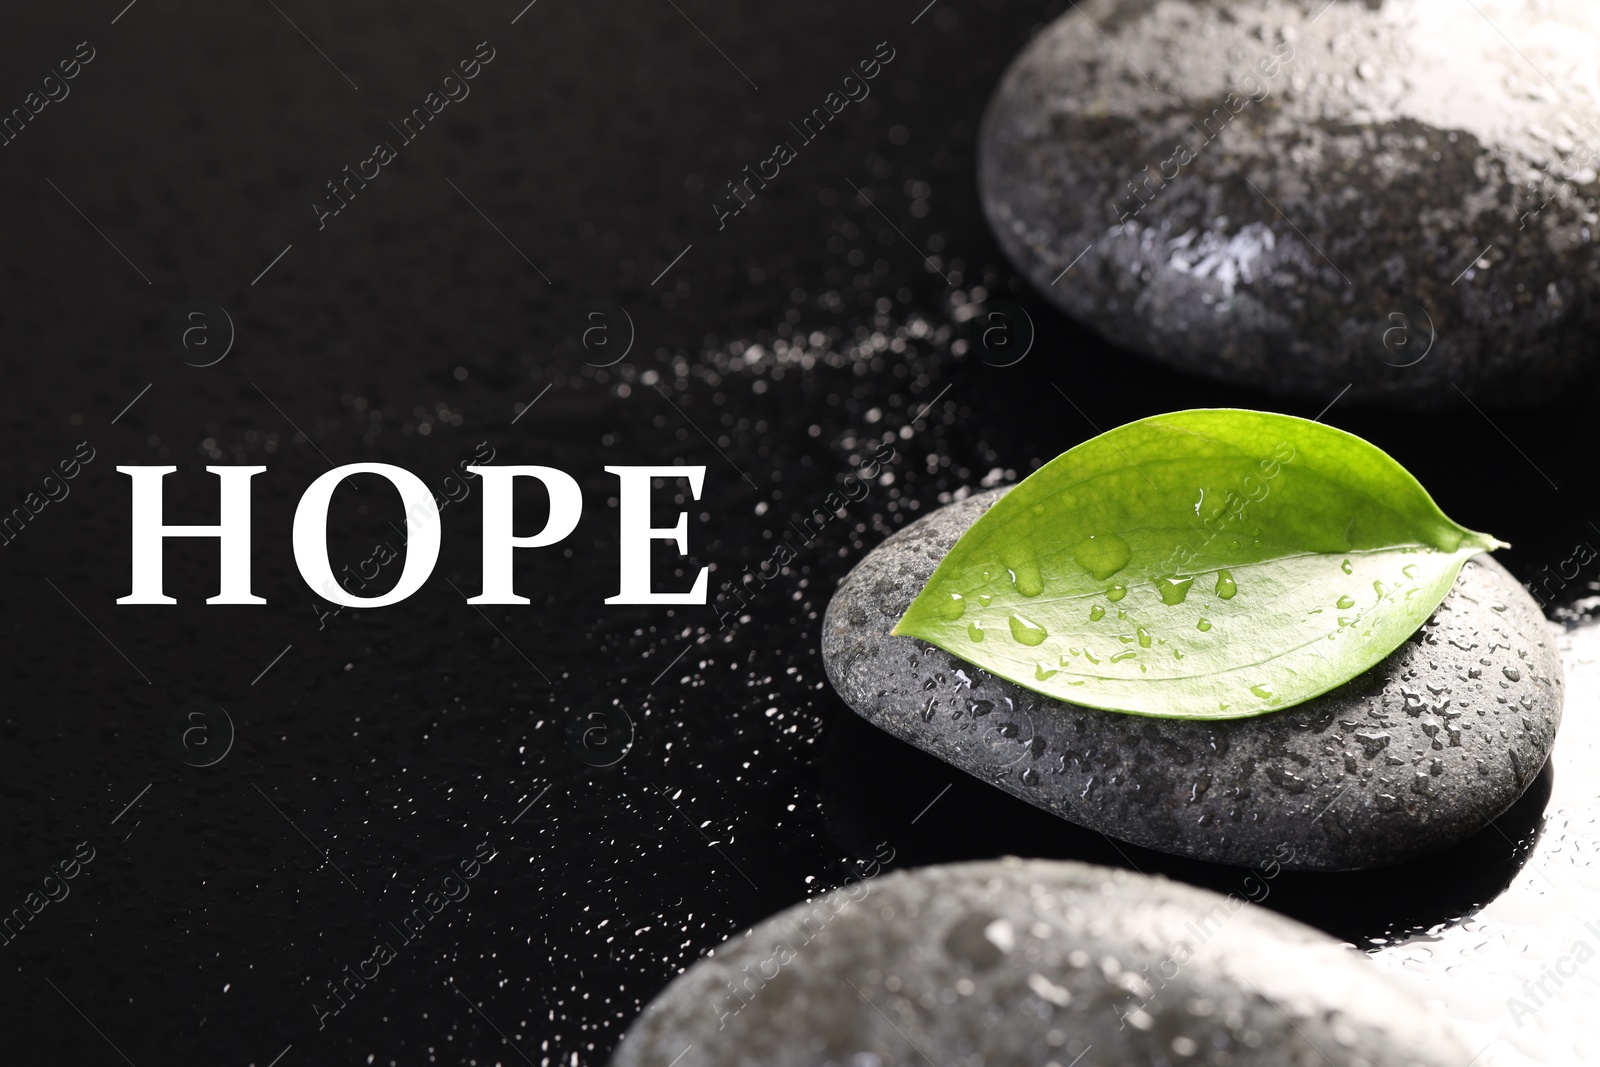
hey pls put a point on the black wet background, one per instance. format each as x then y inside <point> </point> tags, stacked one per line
<point>646,783</point>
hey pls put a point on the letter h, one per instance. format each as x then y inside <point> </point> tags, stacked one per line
<point>232,531</point>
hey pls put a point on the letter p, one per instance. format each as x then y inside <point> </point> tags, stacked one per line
<point>566,507</point>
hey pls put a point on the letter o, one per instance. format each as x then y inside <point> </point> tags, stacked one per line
<point>311,535</point>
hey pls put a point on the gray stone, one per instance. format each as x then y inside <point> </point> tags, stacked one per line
<point>1419,752</point>
<point>1033,962</point>
<point>1330,221</point>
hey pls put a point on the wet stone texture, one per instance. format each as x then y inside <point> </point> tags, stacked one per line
<point>1419,752</point>
<point>1013,961</point>
<point>1299,194</point>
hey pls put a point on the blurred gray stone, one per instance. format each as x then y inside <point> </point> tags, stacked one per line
<point>1421,751</point>
<point>1301,194</point>
<point>1034,962</point>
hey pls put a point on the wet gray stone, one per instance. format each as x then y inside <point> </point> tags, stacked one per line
<point>1331,221</point>
<point>1421,751</point>
<point>1033,962</point>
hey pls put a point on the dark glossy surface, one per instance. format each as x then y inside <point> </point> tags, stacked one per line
<point>384,747</point>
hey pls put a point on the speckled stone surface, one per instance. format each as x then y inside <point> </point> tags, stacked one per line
<point>1033,962</point>
<point>1419,752</point>
<point>1299,195</point>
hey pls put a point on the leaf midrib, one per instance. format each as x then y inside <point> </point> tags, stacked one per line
<point>1146,680</point>
<point>1246,568</point>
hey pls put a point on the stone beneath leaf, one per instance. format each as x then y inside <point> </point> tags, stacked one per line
<point>1418,753</point>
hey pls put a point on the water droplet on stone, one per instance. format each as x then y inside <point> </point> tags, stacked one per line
<point>1373,743</point>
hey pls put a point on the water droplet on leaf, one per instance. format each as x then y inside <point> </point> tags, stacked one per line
<point>1102,555</point>
<point>1026,632</point>
<point>1174,589</point>
<point>1026,577</point>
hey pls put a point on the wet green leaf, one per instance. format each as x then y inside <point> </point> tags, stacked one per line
<point>1209,564</point>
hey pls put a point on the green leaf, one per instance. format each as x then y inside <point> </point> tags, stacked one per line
<point>1209,564</point>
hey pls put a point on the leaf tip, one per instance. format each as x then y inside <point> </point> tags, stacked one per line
<point>1487,542</point>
